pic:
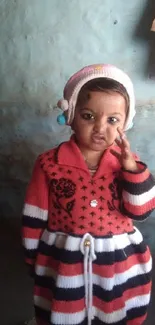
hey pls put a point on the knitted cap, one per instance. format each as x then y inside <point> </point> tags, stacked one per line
<point>79,79</point>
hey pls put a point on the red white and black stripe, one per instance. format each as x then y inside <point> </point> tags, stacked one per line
<point>121,283</point>
<point>138,193</point>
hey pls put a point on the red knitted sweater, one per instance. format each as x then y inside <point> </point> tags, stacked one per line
<point>63,196</point>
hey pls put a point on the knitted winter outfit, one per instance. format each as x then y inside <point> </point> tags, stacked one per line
<point>91,265</point>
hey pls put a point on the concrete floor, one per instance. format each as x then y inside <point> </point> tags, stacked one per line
<point>16,286</point>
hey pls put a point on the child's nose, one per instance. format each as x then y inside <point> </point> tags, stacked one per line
<point>100,125</point>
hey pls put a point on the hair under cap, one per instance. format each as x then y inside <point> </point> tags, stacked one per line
<point>80,78</point>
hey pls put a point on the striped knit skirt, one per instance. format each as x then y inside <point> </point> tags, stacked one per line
<point>92,280</point>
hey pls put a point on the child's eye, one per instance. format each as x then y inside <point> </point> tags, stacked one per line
<point>87,116</point>
<point>112,120</point>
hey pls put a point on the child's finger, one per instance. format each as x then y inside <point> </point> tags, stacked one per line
<point>121,133</point>
<point>124,139</point>
<point>126,153</point>
<point>118,142</point>
<point>125,142</point>
<point>122,142</point>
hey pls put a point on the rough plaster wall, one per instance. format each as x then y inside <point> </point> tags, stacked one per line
<point>42,44</point>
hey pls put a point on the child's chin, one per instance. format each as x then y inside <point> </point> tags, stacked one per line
<point>98,146</point>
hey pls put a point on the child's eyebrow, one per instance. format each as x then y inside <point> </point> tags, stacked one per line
<point>115,113</point>
<point>87,109</point>
<point>93,111</point>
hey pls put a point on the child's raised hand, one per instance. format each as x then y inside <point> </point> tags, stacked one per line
<point>125,158</point>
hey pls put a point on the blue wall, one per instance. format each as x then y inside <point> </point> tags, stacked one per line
<point>42,44</point>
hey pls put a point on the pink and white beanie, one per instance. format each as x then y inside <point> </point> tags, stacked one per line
<point>77,81</point>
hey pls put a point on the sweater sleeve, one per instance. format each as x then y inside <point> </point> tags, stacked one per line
<point>138,196</point>
<point>35,213</point>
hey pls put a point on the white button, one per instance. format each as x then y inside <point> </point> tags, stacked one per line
<point>93,203</point>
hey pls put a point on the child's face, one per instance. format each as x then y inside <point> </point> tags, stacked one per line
<point>97,119</point>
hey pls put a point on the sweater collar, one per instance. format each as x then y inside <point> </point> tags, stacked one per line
<point>69,154</point>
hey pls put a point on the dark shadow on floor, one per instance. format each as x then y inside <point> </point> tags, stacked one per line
<point>15,284</point>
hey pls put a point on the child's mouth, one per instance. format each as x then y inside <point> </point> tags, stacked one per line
<point>98,139</point>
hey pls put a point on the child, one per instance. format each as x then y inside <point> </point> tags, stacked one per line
<point>89,262</point>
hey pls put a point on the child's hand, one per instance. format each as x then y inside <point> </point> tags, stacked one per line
<point>125,157</point>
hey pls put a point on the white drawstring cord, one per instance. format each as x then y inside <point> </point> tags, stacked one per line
<point>87,249</point>
<point>90,305</point>
<point>86,280</point>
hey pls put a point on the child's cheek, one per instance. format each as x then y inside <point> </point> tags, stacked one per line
<point>116,134</point>
<point>120,125</point>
